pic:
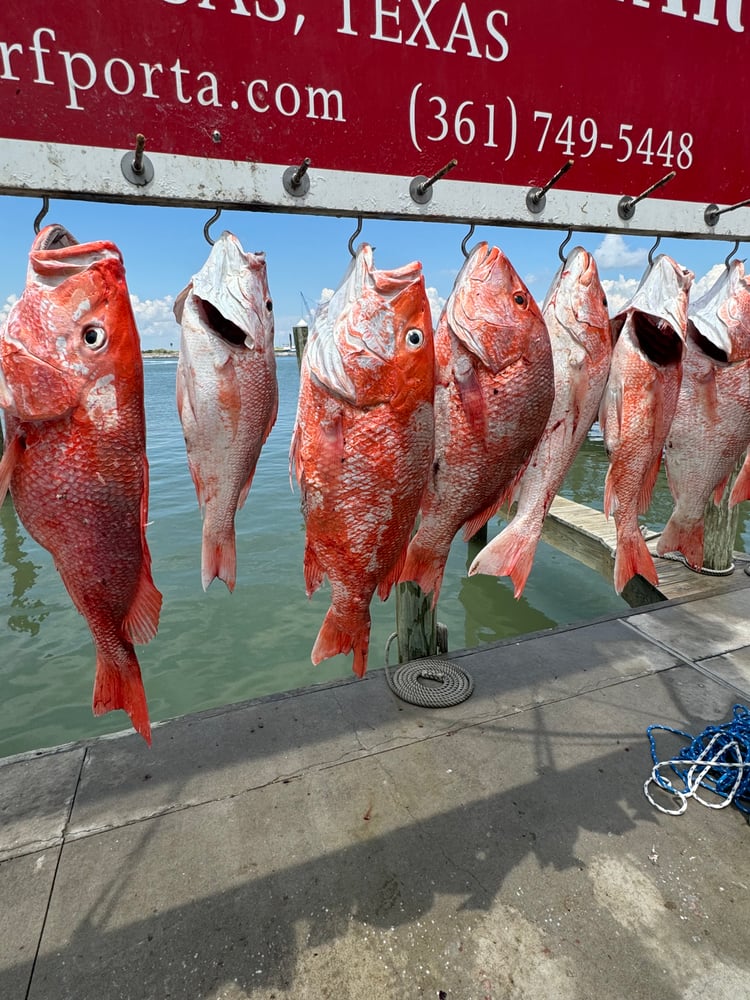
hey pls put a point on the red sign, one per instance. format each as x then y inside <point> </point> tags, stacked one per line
<point>630,90</point>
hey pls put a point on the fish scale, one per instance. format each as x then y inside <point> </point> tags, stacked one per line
<point>227,393</point>
<point>575,312</point>
<point>639,403</point>
<point>494,391</point>
<point>363,443</point>
<point>76,465</point>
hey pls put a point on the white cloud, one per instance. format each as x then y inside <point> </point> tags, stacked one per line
<point>619,292</point>
<point>6,307</point>
<point>613,252</point>
<point>702,285</point>
<point>436,304</point>
<point>155,321</point>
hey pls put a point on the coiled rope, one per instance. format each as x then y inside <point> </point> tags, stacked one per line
<point>704,570</point>
<point>410,682</point>
<point>718,759</point>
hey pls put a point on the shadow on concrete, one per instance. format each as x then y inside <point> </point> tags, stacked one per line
<point>466,861</point>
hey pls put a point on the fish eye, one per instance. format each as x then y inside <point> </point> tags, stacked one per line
<point>94,337</point>
<point>269,305</point>
<point>520,299</point>
<point>414,338</point>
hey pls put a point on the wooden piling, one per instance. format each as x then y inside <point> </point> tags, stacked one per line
<point>300,331</point>
<point>416,623</point>
<point>720,528</point>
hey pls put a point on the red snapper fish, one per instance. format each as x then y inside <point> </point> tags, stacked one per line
<point>575,312</point>
<point>363,442</point>
<point>711,427</point>
<point>75,459</point>
<point>227,394</point>
<point>494,391</point>
<point>639,404</point>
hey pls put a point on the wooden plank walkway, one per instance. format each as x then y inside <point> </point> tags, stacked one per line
<point>588,536</point>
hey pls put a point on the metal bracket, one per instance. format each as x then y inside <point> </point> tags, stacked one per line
<point>136,167</point>
<point>420,187</point>
<point>536,197</point>
<point>626,204</point>
<point>296,181</point>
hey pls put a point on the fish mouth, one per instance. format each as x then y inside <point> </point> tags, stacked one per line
<point>54,237</point>
<point>219,324</point>
<point>708,347</point>
<point>657,339</point>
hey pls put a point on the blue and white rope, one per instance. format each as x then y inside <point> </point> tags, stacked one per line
<point>718,759</point>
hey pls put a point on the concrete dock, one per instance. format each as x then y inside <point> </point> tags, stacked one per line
<point>338,843</point>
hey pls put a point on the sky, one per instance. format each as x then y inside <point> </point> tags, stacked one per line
<point>307,255</point>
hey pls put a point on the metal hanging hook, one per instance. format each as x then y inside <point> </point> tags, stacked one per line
<point>626,204</point>
<point>420,187</point>
<point>562,246</point>
<point>466,239</point>
<point>296,181</point>
<point>536,197</point>
<point>136,167</point>
<point>208,225</point>
<point>42,213</point>
<point>712,212</point>
<point>354,235</point>
<point>731,254</point>
<point>652,250</point>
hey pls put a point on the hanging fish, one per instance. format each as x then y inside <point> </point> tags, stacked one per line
<point>363,442</point>
<point>710,431</point>
<point>75,459</point>
<point>575,312</point>
<point>639,403</point>
<point>494,391</point>
<point>227,393</point>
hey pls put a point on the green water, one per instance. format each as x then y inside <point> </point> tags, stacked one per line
<point>217,647</point>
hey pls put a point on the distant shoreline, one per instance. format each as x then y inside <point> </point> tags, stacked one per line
<point>280,352</point>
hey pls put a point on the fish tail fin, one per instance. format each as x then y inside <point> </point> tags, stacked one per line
<point>333,639</point>
<point>142,620</point>
<point>425,567</point>
<point>685,537</point>
<point>632,557</point>
<point>119,685</point>
<point>511,553</point>
<point>219,559</point>
<point>741,488</point>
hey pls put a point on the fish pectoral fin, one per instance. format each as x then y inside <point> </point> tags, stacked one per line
<point>8,463</point>
<point>394,574</point>
<point>719,490</point>
<point>472,400</point>
<point>610,413</point>
<point>142,620</point>
<point>242,497</point>
<point>647,486</point>
<point>741,488</point>
<point>313,571</point>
